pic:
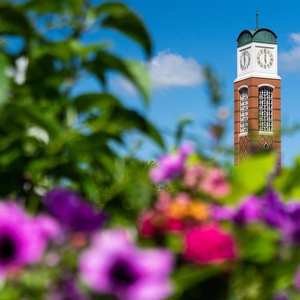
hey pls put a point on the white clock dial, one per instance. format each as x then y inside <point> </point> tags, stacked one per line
<point>265,58</point>
<point>245,59</point>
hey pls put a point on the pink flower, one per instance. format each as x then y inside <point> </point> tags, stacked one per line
<point>49,227</point>
<point>114,265</point>
<point>22,241</point>
<point>209,244</point>
<point>221,213</point>
<point>215,183</point>
<point>193,175</point>
<point>163,201</point>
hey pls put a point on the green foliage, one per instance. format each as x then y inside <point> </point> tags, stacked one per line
<point>46,133</point>
<point>51,137</point>
<point>214,86</point>
<point>127,192</point>
<point>251,176</point>
<point>287,179</point>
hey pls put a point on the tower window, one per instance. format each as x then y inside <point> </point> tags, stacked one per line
<point>244,110</point>
<point>265,109</point>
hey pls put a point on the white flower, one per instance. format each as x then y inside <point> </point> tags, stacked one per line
<point>38,133</point>
<point>18,73</point>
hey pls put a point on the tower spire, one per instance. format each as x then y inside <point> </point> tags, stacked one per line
<point>256,19</point>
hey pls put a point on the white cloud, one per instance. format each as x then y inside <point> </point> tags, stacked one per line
<point>172,70</point>
<point>166,70</point>
<point>290,61</point>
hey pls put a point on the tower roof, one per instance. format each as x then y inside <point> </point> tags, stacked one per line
<point>262,35</point>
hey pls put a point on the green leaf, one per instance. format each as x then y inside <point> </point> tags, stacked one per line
<point>258,243</point>
<point>286,181</point>
<point>214,86</point>
<point>251,176</point>
<point>132,70</point>
<point>4,81</point>
<point>180,128</point>
<point>118,120</point>
<point>13,21</point>
<point>138,75</point>
<point>86,102</point>
<point>54,6</point>
<point>174,243</point>
<point>189,276</point>
<point>121,18</point>
<point>43,7</point>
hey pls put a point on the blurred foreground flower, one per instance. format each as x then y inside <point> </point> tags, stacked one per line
<point>21,239</point>
<point>67,290</point>
<point>171,165</point>
<point>172,214</point>
<point>209,244</point>
<point>215,183</point>
<point>280,297</point>
<point>268,209</point>
<point>113,265</point>
<point>72,211</point>
<point>18,73</point>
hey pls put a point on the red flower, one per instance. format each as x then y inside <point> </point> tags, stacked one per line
<point>209,244</point>
<point>153,223</point>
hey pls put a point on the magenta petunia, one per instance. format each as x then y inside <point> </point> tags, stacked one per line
<point>221,213</point>
<point>21,239</point>
<point>49,227</point>
<point>171,165</point>
<point>209,244</point>
<point>114,265</point>
<point>73,211</point>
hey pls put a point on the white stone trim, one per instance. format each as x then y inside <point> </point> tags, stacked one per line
<point>265,133</point>
<point>266,84</point>
<point>243,87</point>
<point>243,134</point>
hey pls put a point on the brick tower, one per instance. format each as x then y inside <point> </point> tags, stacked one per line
<point>256,94</point>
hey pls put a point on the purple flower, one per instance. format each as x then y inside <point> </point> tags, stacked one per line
<point>248,211</point>
<point>67,290</point>
<point>49,227</point>
<point>171,165</point>
<point>21,240</point>
<point>280,297</point>
<point>273,210</point>
<point>291,226</point>
<point>72,211</point>
<point>220,213</point>
<point>113,265</point>
<point>268,209</point>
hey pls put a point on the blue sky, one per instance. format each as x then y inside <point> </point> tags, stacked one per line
<point>190,34</point>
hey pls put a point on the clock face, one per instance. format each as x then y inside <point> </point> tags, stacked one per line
<point>265,58</point>
<point>245,60</point>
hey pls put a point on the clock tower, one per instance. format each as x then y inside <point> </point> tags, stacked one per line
<point>256,94</point>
